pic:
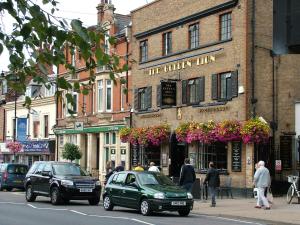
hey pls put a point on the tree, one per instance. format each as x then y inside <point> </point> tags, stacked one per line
<point>37,44</point>
<point>71,152</point>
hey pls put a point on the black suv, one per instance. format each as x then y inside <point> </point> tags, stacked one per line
<point>62,182</point>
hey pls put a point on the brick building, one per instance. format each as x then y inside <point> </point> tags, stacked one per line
<point>220,66</point>
<point>105,110</point>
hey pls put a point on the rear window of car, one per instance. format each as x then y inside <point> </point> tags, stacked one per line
<point>17,169</point>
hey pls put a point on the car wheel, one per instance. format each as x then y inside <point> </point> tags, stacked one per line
<point>94,201</point>
<point>1,188</point>
<point>184,212</point>
<point>30,196</point>
<point>66,201</point>
<point>107,204</point>
<point>145,207</point>
<point>55,196</point>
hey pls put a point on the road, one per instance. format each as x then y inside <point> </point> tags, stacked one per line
<point>14,210</point>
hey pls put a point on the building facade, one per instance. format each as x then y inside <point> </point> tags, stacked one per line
<point>33,127</point>
<point>105,110</point>
<point>217,66</point>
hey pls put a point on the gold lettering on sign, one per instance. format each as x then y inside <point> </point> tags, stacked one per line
<point>214,109</point>
<point>199,61</point>
<point>151,116</point>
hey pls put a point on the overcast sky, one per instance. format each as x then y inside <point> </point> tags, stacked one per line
<point>73,9</point>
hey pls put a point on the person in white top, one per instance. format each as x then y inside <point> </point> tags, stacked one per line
<point>153,168</point>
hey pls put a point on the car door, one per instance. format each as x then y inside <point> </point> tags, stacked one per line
<point>116,187</point>
<point>131,191</point>
<point>45,178</point>
<point>36,179</point>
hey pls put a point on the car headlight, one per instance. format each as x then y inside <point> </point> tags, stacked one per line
<point>67,183</point>
<point>189,196</point>
<point>98,183</point>
<point>159,195</point>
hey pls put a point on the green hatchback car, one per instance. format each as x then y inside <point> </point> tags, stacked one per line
<point>147,192</point>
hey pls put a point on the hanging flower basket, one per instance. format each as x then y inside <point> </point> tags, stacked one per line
<point>228,130</point>
<point>207,132</point>
<point>255,131</point>
<point>14,146</point>
<point>182,131</point>
<point>157,134</point>
<point>124,134</point>
<point>193,132</point>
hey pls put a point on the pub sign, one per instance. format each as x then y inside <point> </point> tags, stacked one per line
<point>168,93</point>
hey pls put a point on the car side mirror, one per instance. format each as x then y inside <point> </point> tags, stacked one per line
<point>46,173</point>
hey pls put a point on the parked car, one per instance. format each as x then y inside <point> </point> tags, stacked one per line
<point>62,182</point>
<point>147,192</point>
<point>12,176</point>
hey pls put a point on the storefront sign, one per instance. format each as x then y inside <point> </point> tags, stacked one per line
<point>156,115</point>
<point>168,94</point>
<point>89,129</point>
<point>286,144</point>
<point>123,154</point>
<point>278,165</point>
<point>236,159</point>
<point>35,146</point>
<point>78,126</point>
<point>21,129</point>
<point>113,151</point>
<point>135,155</point>
<point>123,151</point>
<point>214,109</point>
<point>181,65</point>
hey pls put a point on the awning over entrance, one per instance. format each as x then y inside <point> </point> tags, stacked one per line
<point>90,130</point>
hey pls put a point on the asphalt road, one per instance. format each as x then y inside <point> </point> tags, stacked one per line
<point>14,210</point>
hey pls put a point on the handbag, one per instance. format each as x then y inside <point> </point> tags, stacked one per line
<point>255,191</point>
<point>270,196</point>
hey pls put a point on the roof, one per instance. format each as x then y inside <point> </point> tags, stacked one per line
<point>121,21</point>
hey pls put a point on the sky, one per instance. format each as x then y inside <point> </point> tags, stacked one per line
<point>84,10</point>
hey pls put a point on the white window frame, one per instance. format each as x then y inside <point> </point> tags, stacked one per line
<point>123,97</point>
<point>100,86</point>
<point>107,86</point>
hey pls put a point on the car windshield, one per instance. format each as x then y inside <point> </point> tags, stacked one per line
<point>17,169</point>
<point>68,169</point>
<point>154,179</point>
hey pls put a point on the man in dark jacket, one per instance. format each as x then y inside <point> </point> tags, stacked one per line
<point>187,175</point>
<point>213,180</point>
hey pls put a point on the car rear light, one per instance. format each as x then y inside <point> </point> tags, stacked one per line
<point>5,176</point>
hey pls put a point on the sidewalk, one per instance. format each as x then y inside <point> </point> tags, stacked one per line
<point>280,212</point>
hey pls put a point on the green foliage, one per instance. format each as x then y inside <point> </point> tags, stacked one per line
<point>45,37</point>
<point>71,152</point>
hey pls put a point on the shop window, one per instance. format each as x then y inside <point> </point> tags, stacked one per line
<point>193,91</point>
<point>61,140</point>
<point>143,98</point>
<point>167,43</point>
<point>144,51</point>
<point>194,36</point>
<point>216,153</point>
<point>225,27</point>
<point>224,86</point>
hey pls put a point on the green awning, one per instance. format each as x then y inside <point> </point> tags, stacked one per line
<point>89,130</point>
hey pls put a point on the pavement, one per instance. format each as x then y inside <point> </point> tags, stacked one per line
<point>243,208</point>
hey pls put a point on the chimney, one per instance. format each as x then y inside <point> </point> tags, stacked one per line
<point>105,11</point>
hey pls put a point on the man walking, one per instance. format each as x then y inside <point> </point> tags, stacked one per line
<point>213,180</point>
<point>262,180</point>
<point>153,168</point>
<point>187,175</point>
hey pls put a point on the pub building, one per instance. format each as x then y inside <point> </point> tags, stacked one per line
<point>197,63</point>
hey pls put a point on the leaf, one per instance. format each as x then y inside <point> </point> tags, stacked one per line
<point>85,91</point>
<point>112,40</point>
<point>1,48</point>
<point>26,30</point>
<point>79,29</point>
<point>63,84</point>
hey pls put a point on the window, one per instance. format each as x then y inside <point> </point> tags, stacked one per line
<point>224,86</point>
<point>46,126</point>
<point>144,51</point>
<point>73,107</point>
<point>108,95</point>
<point>143,98</point>
<point>123,97</point>
<point>100,95</point>
<point>61,140</point>
<point>106,43</point>
<point>114,139</point>
<point>51,91</point>
<point>107,138</point>
<point>193,91</point>
<point>167,43</point>
<point>73,57</point>
<point>216,153</point>
<point>72,138</point>
<point>225,27</point>
<point>36,129</point>
<point>194,36</point>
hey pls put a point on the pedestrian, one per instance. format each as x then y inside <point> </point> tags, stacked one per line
<point>108,167</point>
<point>119,168</point>
<point>139,167</point>
<point>213,180</point>
<point>153,168</point>
<point>262,180</point>
<point>187,175</point>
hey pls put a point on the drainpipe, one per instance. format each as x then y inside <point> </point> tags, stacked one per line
<point>253,99</point>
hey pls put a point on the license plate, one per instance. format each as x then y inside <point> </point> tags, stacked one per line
<point>86,190</point>
<point>178,203</point>
<point>18,181</point>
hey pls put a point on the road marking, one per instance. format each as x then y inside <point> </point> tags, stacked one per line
<point>74,211</point>
<point>32,206</point>
<point>12,203</point>
<point>123,218</point>
<point>224,218</point>
<point>140,221</point>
